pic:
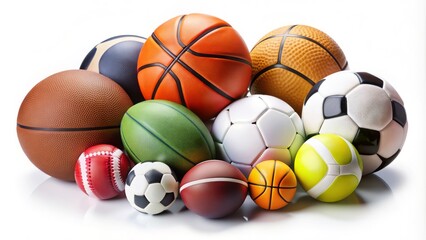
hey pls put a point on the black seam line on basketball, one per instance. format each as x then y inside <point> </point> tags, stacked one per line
<point>272,182</point>
<point>167,145</point>
<point>277,187</point>
<point>319,44</point>
<point>188,68</point>
<point>67,129</point>
<point>227,57</point>
<point>346,65</point>
<point>199,130</point>
<point>123,138</point>
<point>264,178</point>
<point>206,82</point>
<point>176,78</point>
<point>178,32</point>
<point>270,37</point>
<point>280,51</point>
<point>279,183</point>
<point>149,65</point>
<point>283,67</point>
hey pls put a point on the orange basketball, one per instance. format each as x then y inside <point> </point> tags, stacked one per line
<point>196,60</point>
<point>288,61</point>
<point>272,184</point>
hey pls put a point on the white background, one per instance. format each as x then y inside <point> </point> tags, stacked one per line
<point>385,38</point>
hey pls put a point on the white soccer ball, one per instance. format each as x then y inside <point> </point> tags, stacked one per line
<point>257,128</point>
<point>151,187</point>
<point>363,109</point>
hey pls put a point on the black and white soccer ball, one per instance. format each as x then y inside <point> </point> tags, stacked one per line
<point>257,128</point>
<point>362,108</point>
<point>151,187</point>
<point>117,59</point>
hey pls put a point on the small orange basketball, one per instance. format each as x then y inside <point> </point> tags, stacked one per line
<point>196,60</point>
<point>288,61</point>
<point>272,184</point>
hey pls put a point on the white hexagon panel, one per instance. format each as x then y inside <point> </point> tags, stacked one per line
<point>369,107</point>
<point>276,128</point>
<point>243,143</point>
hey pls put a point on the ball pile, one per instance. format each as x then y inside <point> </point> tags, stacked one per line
<point>191,112</point>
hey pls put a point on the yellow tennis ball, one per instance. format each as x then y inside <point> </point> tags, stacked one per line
<point>328,167</point>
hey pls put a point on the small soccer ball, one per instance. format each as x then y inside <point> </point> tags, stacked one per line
<point>257,128</point>
<point>365,110</point>
<point>328,167</point>
<point>101,170</point>
<point>116,58</point>
<point>151,187</point>
<point>272,184</point>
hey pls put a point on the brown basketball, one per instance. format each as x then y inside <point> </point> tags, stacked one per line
<point>66,113</point>
<point>288,61</point>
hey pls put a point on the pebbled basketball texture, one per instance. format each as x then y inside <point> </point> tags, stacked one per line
<point>288,61</point>
<point>196,60</point>
<point>65,114</point>
<point>272,184</point>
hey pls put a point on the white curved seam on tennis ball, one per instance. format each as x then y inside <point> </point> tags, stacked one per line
<point>84,178</point>
<point>116,171</point>
<point>353,167</point>
<point>334,168</point>
<point>207,180</point>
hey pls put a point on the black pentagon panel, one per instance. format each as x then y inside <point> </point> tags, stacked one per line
<point>311,135</point>
<point>334,106</point>
<point>130,177</point>
<point>367,78</point>
<point>387,161</point>
<point>367,141</point>
<point>168,199</point>
<point>141,201</point>
<point>399,114</point>
<point>88,59</point>
<point>153,176</point>
<point>313,90</point>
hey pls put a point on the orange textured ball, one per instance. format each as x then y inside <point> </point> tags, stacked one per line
<point>272,184</point>
<point>288,61</point>
<point>196,60</point>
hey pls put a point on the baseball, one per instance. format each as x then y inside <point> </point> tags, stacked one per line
<point>101,170</point>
